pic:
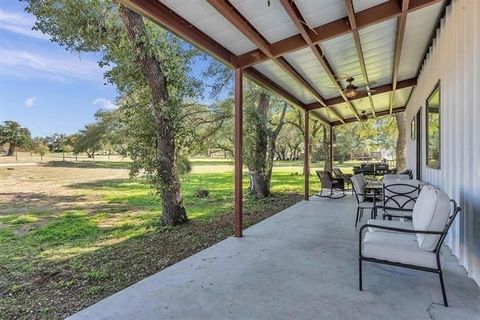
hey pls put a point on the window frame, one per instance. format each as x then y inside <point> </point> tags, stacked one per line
<point>428,164</point>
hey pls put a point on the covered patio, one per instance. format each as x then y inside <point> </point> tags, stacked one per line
<point>299,264</point>
<point>340,62</point>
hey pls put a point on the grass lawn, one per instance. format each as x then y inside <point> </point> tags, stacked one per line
<point>73,233</point>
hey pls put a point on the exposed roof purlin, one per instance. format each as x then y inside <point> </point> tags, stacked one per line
<point>298,20</point>
<point>401,24</point>
<point>358,45</point>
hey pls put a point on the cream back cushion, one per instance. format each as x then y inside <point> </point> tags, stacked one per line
<point>359,186</point>
<point>430,213</point>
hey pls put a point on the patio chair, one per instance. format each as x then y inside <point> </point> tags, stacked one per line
<point>407,172</point>
<point>391,176</point>
<point>345,176</point>
<point>381,169</point>
<point>416,244</point>
<point>364,201</point>
<point>398,199</point>
<point>328,182</point>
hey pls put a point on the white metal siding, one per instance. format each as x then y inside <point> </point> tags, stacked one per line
<point>455,60</point>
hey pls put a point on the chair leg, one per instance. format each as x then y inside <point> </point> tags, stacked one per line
<point>360,287</point>
<point>443,289</point>
<point>356,219</point>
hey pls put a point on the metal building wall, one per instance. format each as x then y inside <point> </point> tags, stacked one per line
<point>455,60</point>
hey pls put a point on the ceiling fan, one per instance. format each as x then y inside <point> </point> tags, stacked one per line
<point>364,116</point>
<point>351,90</point>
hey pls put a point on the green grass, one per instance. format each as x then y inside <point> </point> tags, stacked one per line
<point>128,209</point>
<point>105,243</point>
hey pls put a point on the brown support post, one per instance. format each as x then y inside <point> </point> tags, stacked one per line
<point>306,157</point>
<point>238,150</point>
<point>330,151</point>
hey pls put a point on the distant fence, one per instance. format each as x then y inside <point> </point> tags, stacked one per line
<point>25,156</point>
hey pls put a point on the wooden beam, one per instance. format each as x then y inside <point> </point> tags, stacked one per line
<point>330,150</point>
<point>306,156</point>
<point>377,90</point>
<point>365,18</point>
<point>358,45</point>
<point>401,23</point>
<point>238,230</point>
<point>319,117</point>
<point>298,20</point>
<point>168,19</point>
<point>162,15</point>
<point>261,79</point>
<point>232,15</point>
<point>379,114</point>
<point>336,113</point>
<point>229,12</point>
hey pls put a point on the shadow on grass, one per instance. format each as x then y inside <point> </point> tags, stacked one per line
<point>99,270</point>
<point>88,164</point>
<point>109,184</point>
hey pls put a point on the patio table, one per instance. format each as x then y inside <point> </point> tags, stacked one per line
<point>374,188</point>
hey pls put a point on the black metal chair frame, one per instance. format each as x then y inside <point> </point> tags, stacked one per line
<point>359,208</point>
<point>335,184</point>
<point>437,270</point>
<point>411,195</point>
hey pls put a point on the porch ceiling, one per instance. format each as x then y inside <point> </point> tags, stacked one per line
<point>296,48</point>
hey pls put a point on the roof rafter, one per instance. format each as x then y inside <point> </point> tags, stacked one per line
<point>236,19</point>
<point>298,20</point>
<point>379,114</point>
<point>167,18</point>
<point>229,12</point>
<point>358,45</point>
<point>401,24</point>
<point>378,90</point>
<point>364,18</point>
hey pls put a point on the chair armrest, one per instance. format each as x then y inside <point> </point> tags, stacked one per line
<point>399,229</point>
<point>391,208</point>
<point>390,229</point>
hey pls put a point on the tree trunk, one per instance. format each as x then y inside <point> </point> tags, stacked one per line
<point>325,149</point>
<point>401,141</point>
<point>151,67</point>
<point>260,186</point>
<point>11,149</point>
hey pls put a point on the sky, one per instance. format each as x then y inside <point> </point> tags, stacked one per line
<point>44,87</point>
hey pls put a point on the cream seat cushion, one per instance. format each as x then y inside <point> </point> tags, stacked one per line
<point>389,223</point>
<point>397,247</point>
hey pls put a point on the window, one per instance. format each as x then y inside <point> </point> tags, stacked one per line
<point>433,128</point>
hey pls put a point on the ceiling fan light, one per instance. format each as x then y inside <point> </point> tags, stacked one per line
<point>350,93</point>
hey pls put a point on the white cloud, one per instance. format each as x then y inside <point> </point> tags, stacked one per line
<point>19,23</point>
<point>105,104</point>
<point>59,67</point>
<point>30,102</point>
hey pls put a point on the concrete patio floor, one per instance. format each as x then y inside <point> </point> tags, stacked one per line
<point>299,264</point>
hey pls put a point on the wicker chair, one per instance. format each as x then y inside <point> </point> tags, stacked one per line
<point>346,177</point>
<point>328,182</point>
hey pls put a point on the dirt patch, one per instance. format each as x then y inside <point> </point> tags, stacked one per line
<point>57,290</point>
<point>53,289</point>
<point>31,188</point>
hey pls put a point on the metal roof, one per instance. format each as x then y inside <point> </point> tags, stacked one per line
<point>297,47</point>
